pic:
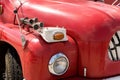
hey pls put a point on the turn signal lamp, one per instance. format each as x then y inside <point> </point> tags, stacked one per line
<point>53,34</point>
<point>58,36</point>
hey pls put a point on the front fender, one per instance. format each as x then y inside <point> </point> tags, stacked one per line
<point>37,56</point>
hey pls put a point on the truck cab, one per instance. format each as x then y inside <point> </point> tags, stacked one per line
<point>59,40</point>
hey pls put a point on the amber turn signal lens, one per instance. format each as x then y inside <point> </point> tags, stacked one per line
<point>58,36</point>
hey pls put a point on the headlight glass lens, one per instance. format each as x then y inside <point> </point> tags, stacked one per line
<point>58,64</point>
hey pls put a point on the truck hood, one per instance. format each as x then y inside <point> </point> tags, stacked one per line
<point>84,19</point>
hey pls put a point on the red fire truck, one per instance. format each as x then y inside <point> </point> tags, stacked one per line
<point>59,40</point>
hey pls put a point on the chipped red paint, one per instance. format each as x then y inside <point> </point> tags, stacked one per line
<point>90,26</point>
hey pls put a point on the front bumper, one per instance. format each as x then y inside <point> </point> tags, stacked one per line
<point>79,78</point>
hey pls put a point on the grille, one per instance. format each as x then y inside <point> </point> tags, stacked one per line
<point>114,47</point>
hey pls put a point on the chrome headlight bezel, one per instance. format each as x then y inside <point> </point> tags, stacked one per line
<point>62,61</point>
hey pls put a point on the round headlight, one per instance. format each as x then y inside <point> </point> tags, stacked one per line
<point>58,64</point>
